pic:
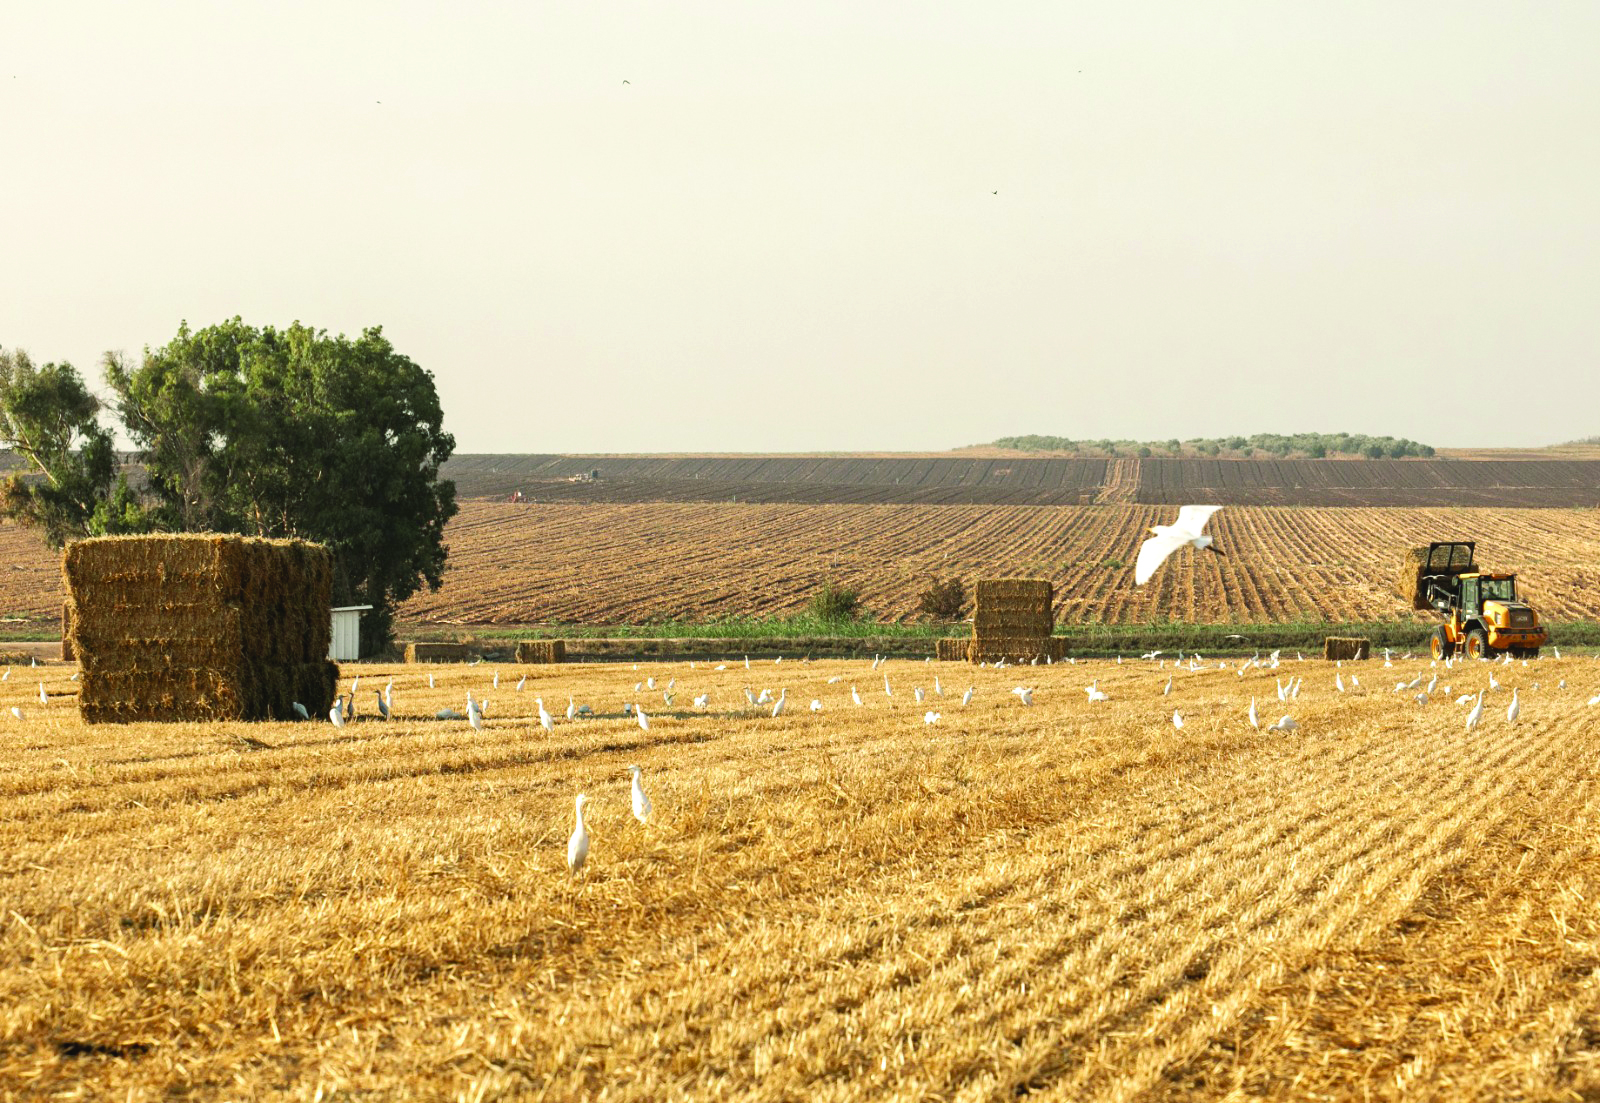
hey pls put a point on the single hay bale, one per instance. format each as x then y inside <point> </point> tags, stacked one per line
<point>436,652</point>
<point>199,627</point>
<point>1408,583</point>
<point>953,649</point>
<point>542,651</point>
<point>1037,590</point>
<point>1346,647</point>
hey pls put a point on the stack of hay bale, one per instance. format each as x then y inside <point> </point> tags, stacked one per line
<point>200,627</point>
<point>436,653</point>
<point>542,651</point>
<point>1413,565</point>
<point>1013,621</point>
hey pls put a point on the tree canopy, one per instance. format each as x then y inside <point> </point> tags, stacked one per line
<point>266,432</point>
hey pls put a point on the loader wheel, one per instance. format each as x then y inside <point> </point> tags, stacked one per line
<point>1477,644</point>
<point>1442,647</point>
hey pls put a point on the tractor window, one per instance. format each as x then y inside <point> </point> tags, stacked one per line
<point>1499,589</point>
<point>1469,596</point>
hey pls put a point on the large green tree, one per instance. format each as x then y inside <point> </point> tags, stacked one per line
<point>67,485</point>
<point>295,433</point>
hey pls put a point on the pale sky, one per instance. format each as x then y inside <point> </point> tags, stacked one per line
<point>783,233</point>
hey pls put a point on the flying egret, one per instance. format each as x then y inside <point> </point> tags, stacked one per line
<point>1167,539</point>
<point>641,802</point>
<point>578,845</point>
<point>966,698</point>
<point>1024,695</point>
<point>1476,714</point>
<point>300,710</point>
<point>930,717</point>
<point>1514,709</point>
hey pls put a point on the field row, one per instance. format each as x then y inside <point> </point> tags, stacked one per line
<point>951,480</point>
<point>613,564</point>
<point>1068,901</point>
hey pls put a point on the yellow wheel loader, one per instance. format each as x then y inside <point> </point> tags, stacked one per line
<point>1483,616</point>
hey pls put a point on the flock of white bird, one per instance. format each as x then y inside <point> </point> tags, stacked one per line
<point>1166,539</point>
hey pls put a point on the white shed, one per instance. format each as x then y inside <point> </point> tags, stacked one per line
<point>346,646</point>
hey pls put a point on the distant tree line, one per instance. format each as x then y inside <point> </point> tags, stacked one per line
<point>238,429</point>
<point>1314,446</point>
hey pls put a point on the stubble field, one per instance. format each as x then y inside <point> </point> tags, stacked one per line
<point>1071,901</point>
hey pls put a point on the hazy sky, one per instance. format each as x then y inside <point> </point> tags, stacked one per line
<point>833,225</point>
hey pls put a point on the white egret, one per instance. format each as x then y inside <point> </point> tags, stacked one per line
<point>336,714</point>
<point>917,693</point>
<point>1464,699</point>
<point>578,845</point>
<point>641,802</point>
<point>930,717</point>
<point>1024,695</point>
<point>1167,539</point>
<point>572,708</point>
<point>430,681</point>
<point>650,683</point>
<point>1286,724</point>
<point>522,681</point>
<point>1177,720</point>
<point>854,696</point>
<point>937,688</point>
<point>1094,691</point>
<point>816,705</point>
<point>1476,714</point>
<point>1493,685</point>
<point>16,711</point>
<point>702,701</point>
<point>1167,689</point>
<point>966,698</point>
<point>835,678</point>
<point>1255,721</point>
<point>43,700</point>
<point>777,706</point>
<point>1514,709</point>
<point>887,692</point>
<point>1338,681</point>
<point>495,681</point>
<point>644,721</point>
<point>546,721</point>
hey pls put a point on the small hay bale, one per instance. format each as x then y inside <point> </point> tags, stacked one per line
<point>436,653</point>
<point>1408,583</point>
<point>1346,647</point>
<point>542,651</point>
<point>953,649</point>
<point>199,627</point>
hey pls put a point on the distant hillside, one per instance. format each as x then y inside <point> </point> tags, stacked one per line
<point>1311,446</point>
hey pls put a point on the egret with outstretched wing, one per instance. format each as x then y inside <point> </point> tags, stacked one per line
<point>1188,529</point>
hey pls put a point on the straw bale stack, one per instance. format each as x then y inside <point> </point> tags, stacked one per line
<point>200,627</point>
<point>1346,647</point>
<point>1408,583</point>
<point>1013,620</point>
<point>436,653</point>
<point>542,651</point>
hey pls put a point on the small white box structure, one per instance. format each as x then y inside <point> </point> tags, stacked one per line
<point>346,646</point>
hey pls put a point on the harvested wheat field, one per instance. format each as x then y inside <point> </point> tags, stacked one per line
<point>1069,901</point>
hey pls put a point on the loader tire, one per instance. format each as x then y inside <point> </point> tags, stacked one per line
<point>1477,644</point>
<point>1441,646</point>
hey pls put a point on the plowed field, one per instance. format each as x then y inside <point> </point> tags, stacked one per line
<point>610,564</point>
<point>1065,901</point>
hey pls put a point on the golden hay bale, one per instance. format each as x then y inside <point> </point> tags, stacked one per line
<point>436,652</point>
<point>66,632</point>
<point>1037,590</point>
<point>953,649</point>
<point>1408,582</point>
<point>542,651</point>
<point>1346,647</point>
<point>199,627</point>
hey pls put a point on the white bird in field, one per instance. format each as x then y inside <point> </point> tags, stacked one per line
<point>747,662</point>
<point>17,712</point>
<point>572,708</point>
<point>43,700</point>
<point>1355,681</point>
<point>930,717</point>
<point>430,681</point>
<point>495,681</point>
<point>1094,691</point>
<point>1283,690</point>
<point>6,677</point>
<point>1513,710</point>
<point>1255,721</point>
<point>917,693</point>
<point>1167,539</point>
<point>641,802</point>
<point>1177,720</point>
<point>546,721</point>
<point>720,666</point>
<point>836,678</point>
<point>300,710</point>
<point>474,714</point>
<point>816,705</point>
<point>966,698</point>
<point>1476,714</point>
<point>1286,724</point>
<point>937,688</point>
<point>777,706</point>
<point>1166,689</point>
<point>650,683</point>
<point>522,681</point>
<point>702,701</point>
<point>383,706</point>
<point>644,721</point>
<point>1024,695</point>
<point>1557,650</point>
<point>854,696</point>
<point>666,698</point>
<point>1431,683</point>
<point>578,845</point>
<point>887,692</point>
<point>336,714</point>
<point>765,698</point>
<point>1493,685</point>
<point>1421,698</point>
<point>1464,699</point>
<point>671,682</point>
<point>1338,681</point>
<point>1595,700</point>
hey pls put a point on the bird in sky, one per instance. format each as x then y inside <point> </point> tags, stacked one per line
<point>1188,529</point>
<point>578,844</point>
<point>641,802</point>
